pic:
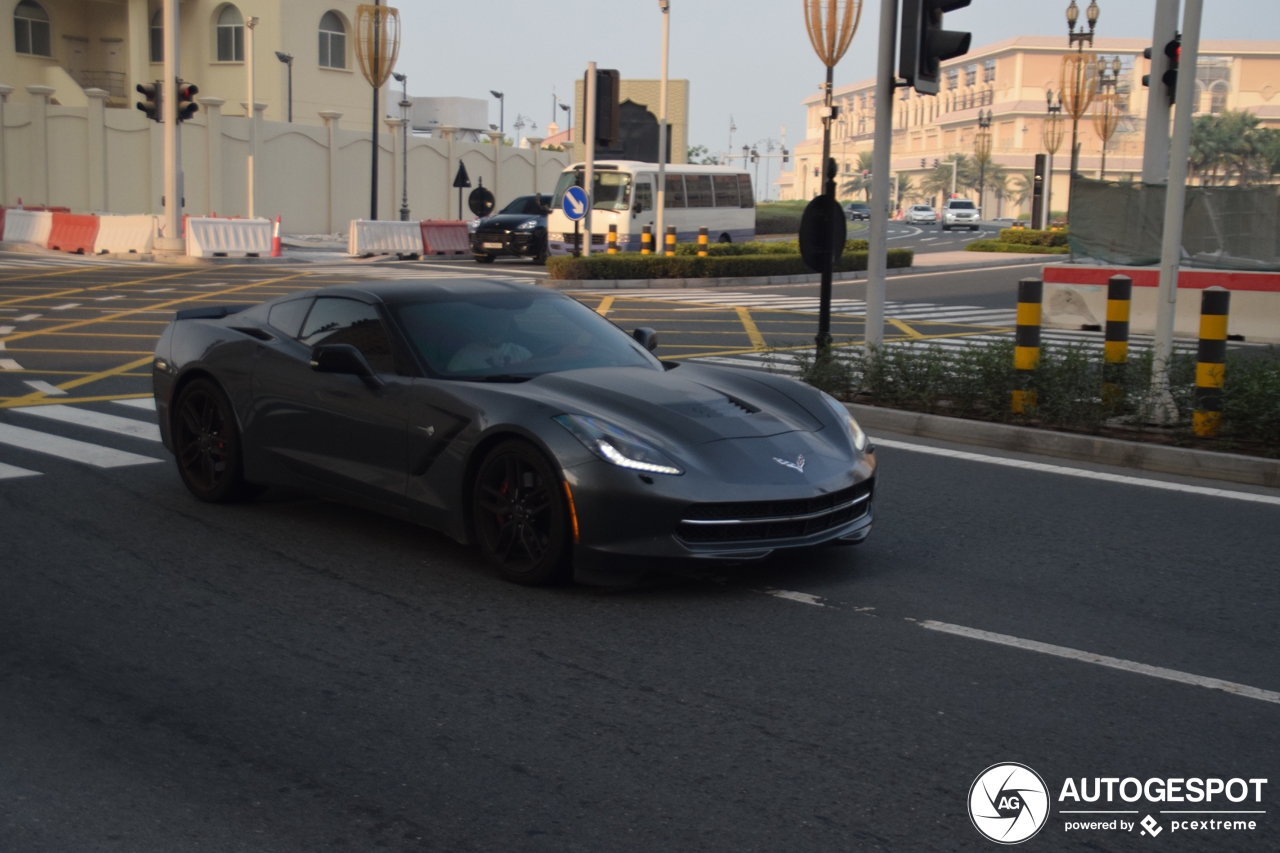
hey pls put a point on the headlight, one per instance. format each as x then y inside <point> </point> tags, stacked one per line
<point>856,435</point>
<point>528,225</point>
<point>473,224</point>
<point>616,445</point>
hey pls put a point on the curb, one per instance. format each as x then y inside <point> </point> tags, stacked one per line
<point>1251,470</point>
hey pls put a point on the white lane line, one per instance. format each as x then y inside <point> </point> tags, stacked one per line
<point>4,330</point>
<point>109,298</point>
<point>44,388</point>
<point>10,472</point>
<point>1102,660</point>
<point>162,289</point>
<point>1078,472</point>
<point>66,448</point>
<point>66,307</point>
<point>217,283</point>
<point>802,597</point>
<point>95,420</point>
<point>138,403</point>
<point>26,318</point>
<point>9,364</point>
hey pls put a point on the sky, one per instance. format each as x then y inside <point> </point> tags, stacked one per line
<point>749,59</point>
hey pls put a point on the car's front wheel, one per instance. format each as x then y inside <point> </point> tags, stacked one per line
<point>207,445</point>
<point>520,516</point>
<point>484,259</point>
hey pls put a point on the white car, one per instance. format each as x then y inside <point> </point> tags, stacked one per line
<point>921,213</point>
<point>960,213</point>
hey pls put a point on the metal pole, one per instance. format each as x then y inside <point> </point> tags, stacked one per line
<point>1048,193</point>
<point>290,91</point>
<point>1155,145</point>
<point>1180,147</point>
<point>377,73</point>
<point>877,258</point>
<point>589,177</point>
<point>823,339</point>
<point>251,112</point>
<point>660,214</point>
<point>404,147</point>
<point>172,139</point>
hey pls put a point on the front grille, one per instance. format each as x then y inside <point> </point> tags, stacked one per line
<point>746,521</point>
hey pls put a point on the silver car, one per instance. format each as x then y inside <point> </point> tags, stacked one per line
<point>960,213</point>
<point>921,213</point>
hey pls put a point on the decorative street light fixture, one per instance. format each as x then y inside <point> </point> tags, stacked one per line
<point>1079,82</point>
<point>502,109</point>
<point>982,153</point>
<point>377,46</point>
<point>1051,133</point>
<point>287,59</point>
<point>405,103</point>
<point>1106,110</point>
<point>568,108</point>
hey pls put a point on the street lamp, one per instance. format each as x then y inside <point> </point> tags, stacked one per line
<point>982,153</point>
<point>1079,81</point>
<point>746,152</point>
<point>405,103</point>
<point>287,59</point>
<point>1106,112</point>
<point>659,218</point>
<point>1051,133</point>
<point>502,108</point>
<point>568,108</point>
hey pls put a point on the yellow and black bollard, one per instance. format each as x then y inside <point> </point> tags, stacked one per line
<point>1211,362</point>
<point>613,240</point>
<point>1116,347</point>
<point>646,240</point>
<point>1026,344</point>
<point>702,242</point>
<point>671,241</point>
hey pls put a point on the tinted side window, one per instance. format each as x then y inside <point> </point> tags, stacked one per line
<point>644,195</point>
<point>744,191</point>
<point>726,190</point>
<point>335,320</point>
<point>288,316</point>
<point>698,188</point>
<point>675,191</point>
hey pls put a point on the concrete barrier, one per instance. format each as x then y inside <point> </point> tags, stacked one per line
<point>228,238</point>
<point>28,226</point>
<point>125,234</point>
<point>73,233</point>
<point>445,237</point>
<point>1076,295</point>
<point>380,237</point>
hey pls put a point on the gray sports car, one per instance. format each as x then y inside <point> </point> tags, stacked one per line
<point>511,416</point>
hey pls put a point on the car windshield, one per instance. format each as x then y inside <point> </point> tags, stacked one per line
<point>612,189</point>
<point>961,205</point>
<point>526,204</point>
<point>922,208</point>
<point>515,335</point>
<point>857,205</point>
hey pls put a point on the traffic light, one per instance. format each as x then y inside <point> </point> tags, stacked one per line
<point>608,91</point>
<point>1173,50</point>
<point>925,43</point>
<point>153,93</point>
<point>186,106</point>
<point>921,162</point>
<point>935,162</point>
<point>786,155</point>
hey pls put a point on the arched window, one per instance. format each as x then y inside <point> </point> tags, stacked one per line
<point>31,29</point>
<point>333,41</point>
<point>1218,96</point>
<point>230,35</point>
<point>157,36</point>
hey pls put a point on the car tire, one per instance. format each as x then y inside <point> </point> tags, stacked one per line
<point>484,259</point>
<point>207,444</point>
<point>519,515</point>
<point>540,256</point>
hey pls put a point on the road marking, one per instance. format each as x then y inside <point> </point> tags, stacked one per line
<point>802,597</point>
<point>9,472</point>
<point>26,318</point>
<point>4,330</point>
<point>1079,472</point>
<point>66,448</point>
<point>108,298</point>
<point>753,334</point>
<point>138,403</point>
<point>213,284</point>
<point>159,290</point>
<point>605,305</point>
<point>1103,660</point>
<point>95,420</point>
<point>9,364</point>
<point>44,387</point>
<point>66,307</point>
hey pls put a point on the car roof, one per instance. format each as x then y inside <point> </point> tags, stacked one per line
<point>397,291</point>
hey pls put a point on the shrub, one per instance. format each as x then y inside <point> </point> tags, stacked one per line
<point>756,247</point>
<point>632,265</point>
<point>1000,246</point>
<point>1033,237</point>
<point>778,217</point>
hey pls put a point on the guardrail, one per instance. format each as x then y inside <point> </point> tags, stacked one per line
<point>208,237</point>
<point>378,237</point>
<point>125,235</point>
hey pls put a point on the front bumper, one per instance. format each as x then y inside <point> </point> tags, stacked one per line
<point>519,244</point>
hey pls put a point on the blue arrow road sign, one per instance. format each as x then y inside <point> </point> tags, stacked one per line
<point>575,203</point>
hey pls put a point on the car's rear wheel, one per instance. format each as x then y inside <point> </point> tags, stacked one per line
<point>484,259</point>
<point>519,515</point>
<point>207,445</point>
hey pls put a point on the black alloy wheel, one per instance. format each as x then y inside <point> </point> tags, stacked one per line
<point>484,259</point>
<point>206,443</point>
<point>519,515</point>
<point>540,256</point>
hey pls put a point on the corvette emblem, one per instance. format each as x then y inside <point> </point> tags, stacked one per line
<point>798,464</point>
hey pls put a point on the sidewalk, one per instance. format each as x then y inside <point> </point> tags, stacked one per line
<point>959,260</point>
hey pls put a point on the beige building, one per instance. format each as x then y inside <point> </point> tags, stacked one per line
<point>74,45</point>
<point>1011,79</point>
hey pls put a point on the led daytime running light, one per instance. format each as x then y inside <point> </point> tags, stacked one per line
<point>609,452</point>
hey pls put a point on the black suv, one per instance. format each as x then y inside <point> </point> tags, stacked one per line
<point>518,230</point>
<point>857,210</point>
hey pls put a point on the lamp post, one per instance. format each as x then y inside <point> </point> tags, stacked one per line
<point>287,59</point>
<point>377,46</point>
<point>659,218</point>
<point>502,109</point>
<point>1051,133</point>
<point>982,153</point>
<point>1079,81</point>
<point>568,108</point>
<point>252,111</point>
<point>405,103</point>
<point>755,158</point>
<point>1106,114</point>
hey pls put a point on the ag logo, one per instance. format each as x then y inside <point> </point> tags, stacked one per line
<point>1008,803</point>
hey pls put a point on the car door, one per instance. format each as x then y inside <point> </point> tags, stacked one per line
<point>331,427</point>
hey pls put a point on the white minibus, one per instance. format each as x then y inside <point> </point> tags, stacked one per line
<point>720,198</point>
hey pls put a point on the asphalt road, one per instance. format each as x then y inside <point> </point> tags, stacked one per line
<point>925,238</point>
<point>296,675</point>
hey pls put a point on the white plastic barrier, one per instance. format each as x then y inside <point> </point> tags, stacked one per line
<point>231,238</point>
<point>125,234</point>
<point>31,226</point>
<point>377,237</point>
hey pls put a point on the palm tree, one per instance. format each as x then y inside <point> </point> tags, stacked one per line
<point>1021,188</point>
<point>856,182</point>
<point>906,189</point>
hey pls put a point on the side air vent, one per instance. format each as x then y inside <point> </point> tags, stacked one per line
<point>253,333</point>
<point>725,407</point>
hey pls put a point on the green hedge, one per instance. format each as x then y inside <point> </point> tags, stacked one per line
<point>1001,246</point>
<point>779,218</point>
<point>1033,237</point>
<point>780,247</point>
<point>632,265</point>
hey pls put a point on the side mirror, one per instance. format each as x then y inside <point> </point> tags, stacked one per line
<point>636,208</point>
<point>646,337</point>
<point>344,358</point>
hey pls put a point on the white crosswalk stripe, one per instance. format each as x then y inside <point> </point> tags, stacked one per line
<point>69,448</point>
<point>85,424</point>
<point>10,472</point>
<point>95,420</point>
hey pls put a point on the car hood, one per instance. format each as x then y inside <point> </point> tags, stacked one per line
<point>507,221</point>
<point>686,406</point>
